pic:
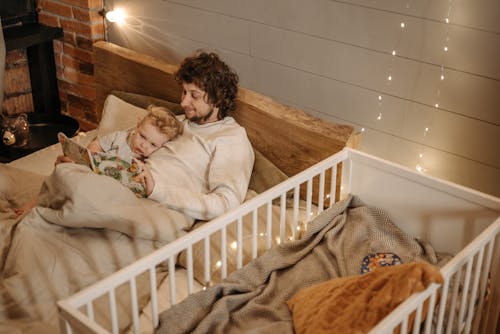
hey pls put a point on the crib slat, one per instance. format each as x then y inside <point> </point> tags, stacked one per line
<point>282,217</point>
<point>430,313</point>
<point>296,194</point>
<point>442,305</point>
<point>484,280</point>
<point>112,310</point>
<point>453,306</point>
<point>475,285</point>
<point>404,325</point>
<point>321,193</point>
<point>68,328</point>
<point>269,231</point>
<point>239,244</point>
<point>90,310</point>
<point>190,268</point>
<point>171,280</point>
<point>224,252</point>
<point>206,246</point>
<point>308,200</point>
<point>135,307</point>
<point>154,297</point>
<point>254,234</point>
<point>417,320</point>
<point>465,290</point>
<point>333,185</point>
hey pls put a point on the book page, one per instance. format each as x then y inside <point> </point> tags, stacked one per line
<point>76,152</point>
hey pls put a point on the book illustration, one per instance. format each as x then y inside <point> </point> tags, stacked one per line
<point>74,151</point>
<point>128,172</point>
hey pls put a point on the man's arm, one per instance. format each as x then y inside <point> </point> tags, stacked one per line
<point>228,178</point>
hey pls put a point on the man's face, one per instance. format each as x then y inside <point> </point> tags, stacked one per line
<point>197,109</point>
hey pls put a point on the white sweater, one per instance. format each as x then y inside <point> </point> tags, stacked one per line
<point>205,171</point>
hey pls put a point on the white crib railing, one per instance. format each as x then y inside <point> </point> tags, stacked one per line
<point>454,307</point>
<point>77,311</point>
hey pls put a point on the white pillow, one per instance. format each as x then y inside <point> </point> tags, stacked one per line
<point>119,115</point>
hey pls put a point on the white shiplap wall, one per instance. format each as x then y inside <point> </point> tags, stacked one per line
<point>332,59</point>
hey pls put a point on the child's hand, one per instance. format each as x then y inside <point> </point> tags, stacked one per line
<point>62,159</point>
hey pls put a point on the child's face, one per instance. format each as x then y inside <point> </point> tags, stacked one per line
<point>146,139</point>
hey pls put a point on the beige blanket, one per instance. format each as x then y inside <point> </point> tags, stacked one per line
<point>253,300</point>
<point>85,227</point>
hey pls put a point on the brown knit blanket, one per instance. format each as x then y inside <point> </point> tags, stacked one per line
<point>253,299</point>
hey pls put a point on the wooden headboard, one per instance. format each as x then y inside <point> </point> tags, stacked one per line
<point>288,137</point>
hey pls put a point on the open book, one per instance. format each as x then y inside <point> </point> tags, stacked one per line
<point>125,171</point>
<point>76,152</point>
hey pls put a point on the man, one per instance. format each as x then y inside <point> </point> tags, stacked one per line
<point>204,172</point>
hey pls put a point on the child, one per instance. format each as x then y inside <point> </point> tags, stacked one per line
<point>129,148</point>
<point>120,150</point>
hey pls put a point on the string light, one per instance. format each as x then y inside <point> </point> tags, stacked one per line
<point>420,169</point>
<point>393,52</point>
<point>402,25</point>
<point>389,77</point>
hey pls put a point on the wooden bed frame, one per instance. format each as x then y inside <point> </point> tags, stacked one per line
<point>288,137</point>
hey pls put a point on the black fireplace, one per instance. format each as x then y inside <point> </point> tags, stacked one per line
<point>22,30</point>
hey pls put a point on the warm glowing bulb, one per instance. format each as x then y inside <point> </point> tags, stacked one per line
<point>362,129</point>
<point>380,97</point>
<point>402,24</point>
<point>234,245</point>
<point>442,77</point>
<point>393,52</point>
<point>426,129</point>
<point>447,20</point>
<point>419,168</point>
<point>436,105</point>
<point>218,264</point>
<point>379,117</point>
<point>116,16</point>
<point>445,49</point>
<point>420,155</point>
<point>389,77</point>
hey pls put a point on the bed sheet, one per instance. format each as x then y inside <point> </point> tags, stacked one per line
<point>75,237</point>
<point>42,161</point>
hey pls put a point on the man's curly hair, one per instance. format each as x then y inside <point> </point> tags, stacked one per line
<point>216,78</point>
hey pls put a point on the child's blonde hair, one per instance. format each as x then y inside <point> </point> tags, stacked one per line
<point>164,119</point>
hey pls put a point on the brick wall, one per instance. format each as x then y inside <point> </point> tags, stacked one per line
<point>82,26</point>
<point>17,86</point>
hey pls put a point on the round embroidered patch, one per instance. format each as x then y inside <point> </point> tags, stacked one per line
<point>377,260</point>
